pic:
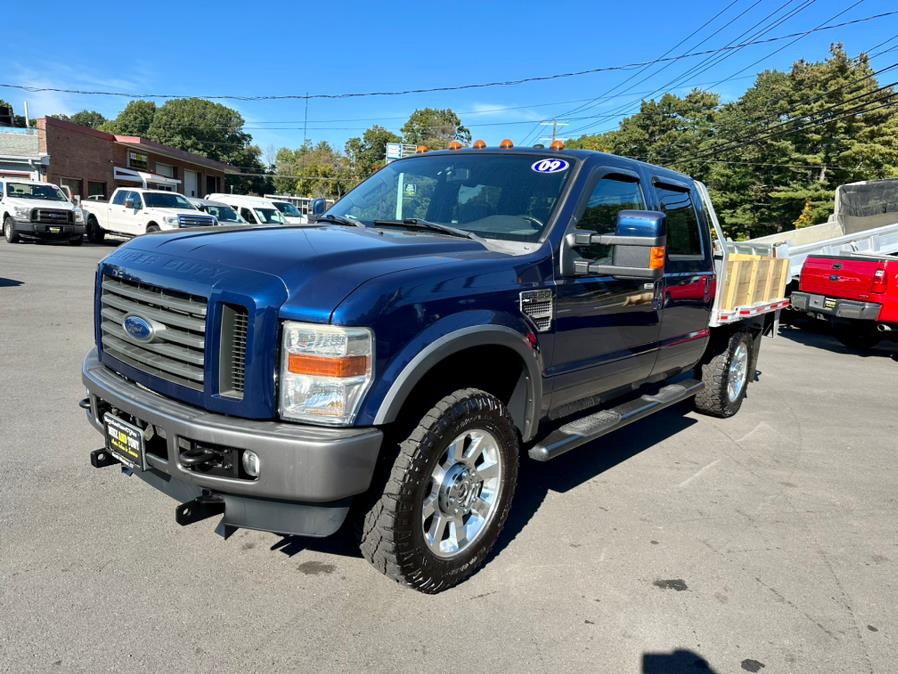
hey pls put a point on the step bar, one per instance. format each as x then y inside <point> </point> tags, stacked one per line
<point>586,429</point>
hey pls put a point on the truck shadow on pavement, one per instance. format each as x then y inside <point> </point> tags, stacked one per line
<point>818,335</point>
<point>580,465</point>
<point>675,662</point>
<point>10,283</point>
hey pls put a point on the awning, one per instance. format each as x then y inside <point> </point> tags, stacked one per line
<point>142,177</point>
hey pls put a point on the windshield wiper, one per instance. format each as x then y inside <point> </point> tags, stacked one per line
<point>339,220</point>
<point>427,224</point>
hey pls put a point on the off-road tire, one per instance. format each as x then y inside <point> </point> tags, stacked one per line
<point>95,233</point>
<point>9,230</point>
<point>715,373</point>
<point>392,538</point>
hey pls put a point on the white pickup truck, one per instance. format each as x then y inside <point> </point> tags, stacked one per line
<point>34,210</point>
<point>134,211</point>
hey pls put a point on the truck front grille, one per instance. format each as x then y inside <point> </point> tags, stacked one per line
<point>195,221</point>
<point>51,216</point>
<point>232,359</point>
<point>173,349</point>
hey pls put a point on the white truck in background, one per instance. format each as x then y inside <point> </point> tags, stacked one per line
<point>133,211</point>
<point>255,210</point>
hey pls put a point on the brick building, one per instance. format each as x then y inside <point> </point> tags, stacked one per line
<point>94,163</point>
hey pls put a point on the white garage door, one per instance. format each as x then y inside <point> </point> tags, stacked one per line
<point>190,184</point>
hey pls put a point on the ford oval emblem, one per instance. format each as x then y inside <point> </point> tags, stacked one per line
<point>550,165</point>
<point>138,328</point>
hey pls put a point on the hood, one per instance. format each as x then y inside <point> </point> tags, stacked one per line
<point>314,267</point>
<point>40,203</point>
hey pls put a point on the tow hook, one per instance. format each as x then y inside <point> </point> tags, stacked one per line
<point>200,508</point>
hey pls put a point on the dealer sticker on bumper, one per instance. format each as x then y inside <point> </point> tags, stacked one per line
<point>125,442</point>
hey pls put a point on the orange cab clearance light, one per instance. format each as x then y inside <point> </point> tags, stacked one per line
<point>479,144</point>
<point>506,144</point>
<point>344,366</point>
<point>455,146</point>
<point>421,149</point>
<point>557,145</point>
<point>656,257</point>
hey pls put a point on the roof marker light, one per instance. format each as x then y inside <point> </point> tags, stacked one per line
<point>455,146</point>
<point>421,149</point>
<point>479,144</point>
<point>506,144</point>
<point>557,145</point>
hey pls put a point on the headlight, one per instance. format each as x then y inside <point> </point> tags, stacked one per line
<point>79,216</point>
<point>22,212</point>
<point>325,372</point>
<point>171,220</point>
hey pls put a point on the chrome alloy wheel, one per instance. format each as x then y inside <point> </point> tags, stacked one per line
<point>738,372</point>
<point>464,493</point>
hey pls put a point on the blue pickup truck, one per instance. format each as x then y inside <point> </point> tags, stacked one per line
<point>457,312</point>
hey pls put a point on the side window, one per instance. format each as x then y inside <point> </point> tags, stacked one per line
<point>248,216</point>
<point>119,198</point>
<point>611,195</point>
<point>683,235</point>
<point>137,199</point>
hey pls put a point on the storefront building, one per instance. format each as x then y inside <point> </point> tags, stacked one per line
<point>94,163</point>
<point>20,155</point>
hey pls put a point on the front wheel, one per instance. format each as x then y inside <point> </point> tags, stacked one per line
<point>9,230</point>
<point>725,373</point>
<point>448,494</point>
<point>151,228</point>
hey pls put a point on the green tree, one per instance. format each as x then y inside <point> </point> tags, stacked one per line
<point>435,128</point>
<point>313,171</point>
<point>367,153</point>
<point>18,121</point>
<point>90,118</point>
<point>134,120</point>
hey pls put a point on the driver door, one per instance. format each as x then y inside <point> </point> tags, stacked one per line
<point>606,328</point>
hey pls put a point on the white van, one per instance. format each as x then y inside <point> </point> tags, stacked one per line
<point>255,210</point>
<point>291,213</point>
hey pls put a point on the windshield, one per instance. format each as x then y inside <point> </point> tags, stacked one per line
<point>510,197</point>
<point>166,200</point>
<point>287,209</point>
<point>223,213</point>
<point>269,216</point>
<point>28,191</point>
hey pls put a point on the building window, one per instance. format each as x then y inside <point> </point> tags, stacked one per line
<point>95,189</point>
<point>73,184</point>
<point>166,170</point>
<point>138,161</point>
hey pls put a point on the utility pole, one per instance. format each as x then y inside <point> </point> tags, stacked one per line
<point>305,122</point>
<point>555,124</point>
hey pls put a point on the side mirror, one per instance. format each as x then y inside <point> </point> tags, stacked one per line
<point>638,247</point>
<point>316,208</point>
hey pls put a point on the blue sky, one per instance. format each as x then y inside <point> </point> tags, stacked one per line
<point>323,48</point>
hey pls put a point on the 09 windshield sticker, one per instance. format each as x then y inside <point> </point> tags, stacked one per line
<point>550,165</point>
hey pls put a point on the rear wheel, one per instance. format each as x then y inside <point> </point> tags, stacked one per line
<point>9,230</point>
<point>725,373</point>
<point>857,334</point>
<point>447,495</point>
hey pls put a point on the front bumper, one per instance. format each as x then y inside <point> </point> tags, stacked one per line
<point>42,230</point>
<point>838,308</point>
<point>307,469</point>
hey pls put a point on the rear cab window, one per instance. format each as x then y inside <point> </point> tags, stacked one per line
<point>688,236</point>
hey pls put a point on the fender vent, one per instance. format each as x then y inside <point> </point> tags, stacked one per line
<point>537,304</point>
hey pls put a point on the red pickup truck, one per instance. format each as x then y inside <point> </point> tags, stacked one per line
<point>858,294</point>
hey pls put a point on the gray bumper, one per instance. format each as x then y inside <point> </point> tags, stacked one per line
<point>850,309</point>
<point>298,463</point>
<point>42,230</point>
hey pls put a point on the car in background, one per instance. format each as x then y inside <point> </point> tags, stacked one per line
<point>223,214</point>
<point>291,213</point>
<point>255,210</point>
<point>133,211</point>
<point>34,210</point>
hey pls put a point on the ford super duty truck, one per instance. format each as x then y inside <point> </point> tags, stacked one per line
<point>857,294</point>
<point>457,312</point>
<point>33,210</point>
<point>133,211</point>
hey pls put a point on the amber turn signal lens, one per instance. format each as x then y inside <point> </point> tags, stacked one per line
<point>557,145</point>
<point>656,257</point>
<point>479,144</point>
<point>344,366</point>
<point>506,144</point>
<point>421,149</point>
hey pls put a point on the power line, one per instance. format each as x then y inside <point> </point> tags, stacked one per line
<point>459,87</point>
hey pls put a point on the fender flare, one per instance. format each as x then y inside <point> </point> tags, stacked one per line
<point>526,419</point>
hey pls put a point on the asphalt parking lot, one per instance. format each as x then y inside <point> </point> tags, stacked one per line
<point>766,542</point>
